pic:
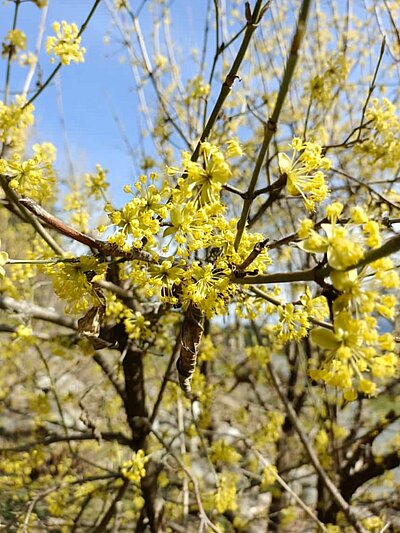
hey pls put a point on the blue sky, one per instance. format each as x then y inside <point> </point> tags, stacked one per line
<point>91,92</point>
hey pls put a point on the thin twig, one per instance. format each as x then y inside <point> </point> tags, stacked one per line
<point>10,53</point>
<point>271,126</point>
<point>372,86</point>
<point>252,23</point>
<point>284,485</point>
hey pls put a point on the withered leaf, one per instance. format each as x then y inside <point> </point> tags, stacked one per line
<point>89,324</point>
<point>192,331</point>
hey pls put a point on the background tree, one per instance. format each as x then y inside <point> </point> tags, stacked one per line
<point>257,251</point>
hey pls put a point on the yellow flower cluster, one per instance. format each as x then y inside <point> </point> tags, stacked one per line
<point>34,177</point>
<point>322,85</point>
<point>225,498</point>
<point>14,41</point>
<point>136,325</point>
<point>72,282</point>
<point>355,351</point>
<point>366,292</point>
<point>206,179</point>
<point>14,119</point>
<point>134,469</point>
<point>65,44</point>
<point>139,220</point>
<point>303,171</point>
<point>343,244</point>
<point>380,151</point>
<point>96,184</point>
<point>353,348</point>
<point>224,453</point>
<point>180,221</point>
<point>197,89</point>
<point>268,476</point>
<point>293,323</point>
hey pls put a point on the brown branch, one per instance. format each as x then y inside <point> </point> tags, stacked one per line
<point>104,247</point>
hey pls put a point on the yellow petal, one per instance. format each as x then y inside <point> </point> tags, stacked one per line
<point>324,338</point>
<point>284,163</point>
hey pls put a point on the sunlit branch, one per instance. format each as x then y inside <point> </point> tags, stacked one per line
<point>150,72</point>
<point>33,66</point>
<point>52,439</point>
<point>276,277</point>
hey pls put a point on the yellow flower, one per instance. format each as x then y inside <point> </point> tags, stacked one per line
<point>72,282</point>
<point>371,229</point>
<point>165,277</point>
<point>366,291</point>
<point>134,469</point>
<point>136,325</point>
<point>342,250</point>
<point>222,452</point>
<point>207,286</point>
<point>268,475</point>
<point>293,323</point>
<point>315,307</point>
<point>205,181</point>
<point>353,348</point>
<point>34,177</point>
<point>14,120</point>
<point>333,211</point>
<point>66,44</point>
<point>97,183</point>
<point>225,498</point>
<point>14,41</point>
<point>303,173</point>
<point>305,228</point>
<point>234,148</point>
